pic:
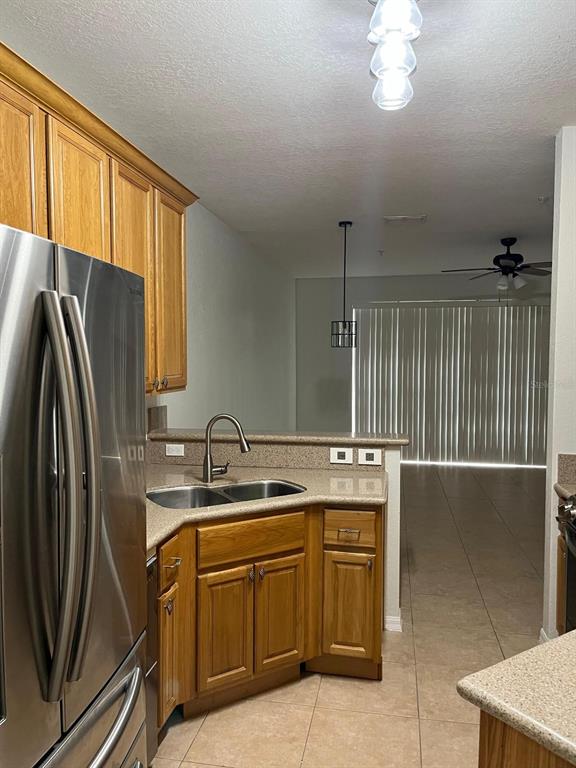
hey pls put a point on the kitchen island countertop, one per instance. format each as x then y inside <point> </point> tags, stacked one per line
<point>534,693</point>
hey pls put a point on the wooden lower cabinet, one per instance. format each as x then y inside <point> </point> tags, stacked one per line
<point>229,630</point>
<point>225,627</point>
<point>504,747</point>
<point>280,612</point>
<point>349,605</point>
<point>169,663</point>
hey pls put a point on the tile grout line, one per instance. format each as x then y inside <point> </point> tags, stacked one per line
<point>310,723</point>
<point>506,524</point>
<point>470,562</point>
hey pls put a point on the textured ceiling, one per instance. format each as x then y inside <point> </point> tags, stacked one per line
<point>263,108</point>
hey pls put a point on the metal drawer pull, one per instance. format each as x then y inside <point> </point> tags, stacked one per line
<point>262,573</point>
<point>349,532</point>
<point>176,563</point>
<point>251,575</point>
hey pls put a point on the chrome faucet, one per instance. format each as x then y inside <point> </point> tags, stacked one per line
<point>210,470</point>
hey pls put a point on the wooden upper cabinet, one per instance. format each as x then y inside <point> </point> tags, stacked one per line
<point>133,243</point>
<point>170,292</point>
<point>79,191</point>
<point>23,202</point>
<point>225,627</point>
<point>280,612</point>
<point>349,605</point>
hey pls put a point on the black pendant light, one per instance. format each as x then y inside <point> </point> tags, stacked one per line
<point>344,331</point>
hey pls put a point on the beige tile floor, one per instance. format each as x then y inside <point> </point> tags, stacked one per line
<point>472,564</point>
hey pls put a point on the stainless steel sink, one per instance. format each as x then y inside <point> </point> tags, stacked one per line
<point>261,489</point>
<point>187,497</point>
<point>192,496</point>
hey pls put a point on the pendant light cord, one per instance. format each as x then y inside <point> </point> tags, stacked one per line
<point>344,289</point>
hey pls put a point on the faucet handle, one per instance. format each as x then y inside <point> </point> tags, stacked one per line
<point>220,469</point>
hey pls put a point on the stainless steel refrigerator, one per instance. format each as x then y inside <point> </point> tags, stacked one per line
<point>72,509</point>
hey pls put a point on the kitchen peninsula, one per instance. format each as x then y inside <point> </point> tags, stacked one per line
<point>306,576</point>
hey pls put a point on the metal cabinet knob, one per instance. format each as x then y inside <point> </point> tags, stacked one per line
<point>370,565</point>
<point>165,382</point>
<point>176,563</point>
<point>155,384</point>
<point>169,606</point>
<point>251,575</point>
<point>262,573</point>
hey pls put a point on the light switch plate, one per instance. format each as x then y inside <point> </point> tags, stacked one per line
<point>174,449</point>
<point>341,456</point>
<point>371,456</point>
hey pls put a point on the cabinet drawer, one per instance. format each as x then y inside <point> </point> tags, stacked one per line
<point>249,539</point>
<point>347,527</point>
<point>170,561</point>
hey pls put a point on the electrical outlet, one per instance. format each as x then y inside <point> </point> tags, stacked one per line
<point>371,456</point>
<point>341,455</point>
<point>174,449</point>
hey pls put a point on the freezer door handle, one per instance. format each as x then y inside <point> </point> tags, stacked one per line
<point>72,445</point>
<point>75,326</point>
<point>130,686</point>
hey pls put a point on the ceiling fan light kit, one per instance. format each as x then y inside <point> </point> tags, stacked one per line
<point>511,267</point>
<point>394,24</point>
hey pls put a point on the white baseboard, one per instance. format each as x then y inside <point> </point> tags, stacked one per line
<point>393,623</point>
<point>544,637</point>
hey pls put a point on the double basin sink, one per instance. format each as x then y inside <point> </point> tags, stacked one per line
<point>192,496</point>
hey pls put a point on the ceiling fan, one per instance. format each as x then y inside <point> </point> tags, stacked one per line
<point>511,267</point>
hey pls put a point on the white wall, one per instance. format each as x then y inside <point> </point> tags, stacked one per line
<point>240,332</point>
<point>323,374</point>
<point>562,379</point>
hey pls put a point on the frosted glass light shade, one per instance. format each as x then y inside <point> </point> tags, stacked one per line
<point>395,53</point>
<point>519,282</point>
<point>396,16</point>
<point>393,91</point>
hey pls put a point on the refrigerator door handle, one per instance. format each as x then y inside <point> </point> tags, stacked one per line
<point>79,345</point>
<point>72,445</point>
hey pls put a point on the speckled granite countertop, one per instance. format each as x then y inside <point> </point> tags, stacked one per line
<point>565,490</point>
<point>322,487</point>
<point>534,692</point>
<point>307,438</point>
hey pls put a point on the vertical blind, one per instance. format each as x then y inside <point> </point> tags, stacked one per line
<point>465,383</point>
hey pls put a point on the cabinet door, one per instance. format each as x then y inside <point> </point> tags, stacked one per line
<point>280,612</point>
<point>168,618</point>
<point>225,627</point>
<point>349,604</point>
<point>133,243</point>
<point>170,292</point>
<point>79,192</point>
<point>561,574</point>
<point>23,202</point>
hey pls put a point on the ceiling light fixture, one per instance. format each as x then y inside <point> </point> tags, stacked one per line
<point>344,331</point>
<point>393,25</point>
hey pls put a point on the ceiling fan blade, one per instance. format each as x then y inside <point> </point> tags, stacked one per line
<point>477,269</point>
<point>491,272</point>
<point>530,270</point>
<point>539,264</point>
